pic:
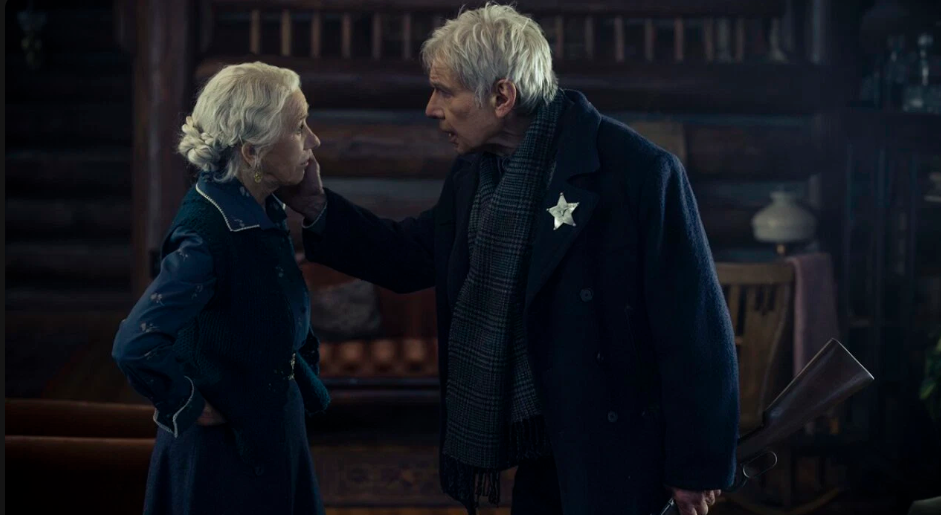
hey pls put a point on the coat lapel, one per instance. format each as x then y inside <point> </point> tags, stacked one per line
<point>577,155</point>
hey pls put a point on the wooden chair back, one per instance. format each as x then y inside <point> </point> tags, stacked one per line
<point>760,301</point>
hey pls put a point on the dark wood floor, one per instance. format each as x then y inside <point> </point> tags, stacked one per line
<point>845,507</point>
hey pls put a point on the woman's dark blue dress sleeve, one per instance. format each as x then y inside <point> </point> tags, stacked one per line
<point>143,346</point>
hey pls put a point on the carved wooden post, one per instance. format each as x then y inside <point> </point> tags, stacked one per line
<point>163,83</point>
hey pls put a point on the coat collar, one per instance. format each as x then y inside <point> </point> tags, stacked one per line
<point>237,206</point>
<point>577,141</point>
<point>577,155</point>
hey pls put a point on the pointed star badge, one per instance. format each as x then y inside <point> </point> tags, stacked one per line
<point>562,212</point>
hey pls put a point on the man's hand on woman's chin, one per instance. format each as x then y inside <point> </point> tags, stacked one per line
<point>306,197</point>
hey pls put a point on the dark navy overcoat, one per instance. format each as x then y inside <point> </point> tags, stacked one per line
<point>629,336</point>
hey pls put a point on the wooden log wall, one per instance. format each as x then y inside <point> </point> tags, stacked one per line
<point>729,86</point>
<point>68,196</point>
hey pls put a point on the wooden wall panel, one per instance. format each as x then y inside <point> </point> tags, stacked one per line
<point>405,146</point>
<point>753,88</point>
<point>627,7</point>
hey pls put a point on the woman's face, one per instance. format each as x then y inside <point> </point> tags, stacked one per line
<point>286,160</point>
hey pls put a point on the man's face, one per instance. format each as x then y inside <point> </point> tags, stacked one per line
<point>469,127</point>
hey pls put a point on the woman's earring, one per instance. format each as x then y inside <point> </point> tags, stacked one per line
<point>257,177</point>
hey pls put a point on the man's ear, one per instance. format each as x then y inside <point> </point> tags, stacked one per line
<point>504,97</point>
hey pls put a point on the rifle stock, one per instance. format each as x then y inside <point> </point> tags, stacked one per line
<point>832,376</point>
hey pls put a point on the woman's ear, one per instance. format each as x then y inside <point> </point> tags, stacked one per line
<point>248,153</point>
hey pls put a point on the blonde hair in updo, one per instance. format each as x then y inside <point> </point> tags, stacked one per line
<point>240,104</point>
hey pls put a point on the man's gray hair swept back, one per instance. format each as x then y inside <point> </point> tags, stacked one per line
<point>490,43</point>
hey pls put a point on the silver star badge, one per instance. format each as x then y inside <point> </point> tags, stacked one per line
<point>562,212</point>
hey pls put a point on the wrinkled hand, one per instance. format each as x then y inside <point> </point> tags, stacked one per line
<point>210,417</point>
<point>306,197</point>
<point>694,503</point>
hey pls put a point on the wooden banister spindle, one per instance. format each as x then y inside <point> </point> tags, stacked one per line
<point>254,32</point>
<point>377,36</point>
<point>414,353</point>
<point>559,37</point>
<point>286,33</point>
<point>649,39</point>
<point>619,39</point>
<point>326,358</point>
<point>382,355</point>
<point>734,300</point>
<point>407,36</point>
<point>590,37</point>
<point>678,37</point>
<point>776,41</point>
<point>740,39</point>
<point>351,356</point>
<point>346,35</point>
<point>709,39</point>
<point>316,29</point>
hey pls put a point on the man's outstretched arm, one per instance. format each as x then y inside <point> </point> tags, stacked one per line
<point>397,255</point>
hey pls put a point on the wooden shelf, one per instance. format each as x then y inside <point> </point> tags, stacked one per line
<point>901,131</point>
<point>736,88</point>
<point>652,8</point>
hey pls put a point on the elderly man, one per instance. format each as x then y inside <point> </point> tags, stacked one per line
<point>583,334</point>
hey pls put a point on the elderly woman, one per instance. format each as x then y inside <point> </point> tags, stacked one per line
<point>220,341</point>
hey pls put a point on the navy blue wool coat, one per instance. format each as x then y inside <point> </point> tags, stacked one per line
<point>629,335</point>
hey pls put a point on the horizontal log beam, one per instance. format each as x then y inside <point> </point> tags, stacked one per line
<point>37,299</point>
<point>59,264</point>
<point>88,455</point>
<point>752,88</point>
<point>382,150</point>
<point>72,219</point>
<point>652,8</point>
<point>102,172</point>
<point>47,417</point>
<point>93,322</point>
<point>80,124</point>
<point>67,86</point>
<point>359,147</point>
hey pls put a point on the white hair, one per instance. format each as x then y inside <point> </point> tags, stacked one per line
<point>240,104</point>
<point>491,43</point>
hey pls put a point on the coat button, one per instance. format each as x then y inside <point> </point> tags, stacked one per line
<point>612,416</point>
<point>587,294</point>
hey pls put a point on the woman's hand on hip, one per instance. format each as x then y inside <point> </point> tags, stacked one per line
<point>210,417</point>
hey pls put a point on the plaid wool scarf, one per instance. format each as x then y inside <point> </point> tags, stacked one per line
<point>494,418</point>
